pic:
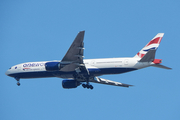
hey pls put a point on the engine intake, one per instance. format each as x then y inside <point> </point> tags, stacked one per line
<point>52,66</point>
<point>70,84</point>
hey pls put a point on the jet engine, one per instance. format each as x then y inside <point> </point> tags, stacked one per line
<point>52,66</point>
<point>70,84</point>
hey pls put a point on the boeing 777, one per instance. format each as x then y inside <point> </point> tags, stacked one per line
<point>76,70</point>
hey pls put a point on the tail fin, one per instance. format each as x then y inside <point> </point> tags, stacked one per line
<point>147,54</point>
<point>152,45</point>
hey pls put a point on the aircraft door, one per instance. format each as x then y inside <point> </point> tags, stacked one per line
<point>126,62</point>
<point>93,63</point>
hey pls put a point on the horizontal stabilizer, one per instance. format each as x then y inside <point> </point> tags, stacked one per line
<point>149,57</point>
<point>109,82</point>
<point>161,66</point>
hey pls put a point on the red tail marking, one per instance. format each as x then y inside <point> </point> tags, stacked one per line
<point>156,41</point>
<point>140,55</point>
<point>157,61</point>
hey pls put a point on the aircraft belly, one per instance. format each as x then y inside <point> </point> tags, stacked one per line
<point>39,74</point>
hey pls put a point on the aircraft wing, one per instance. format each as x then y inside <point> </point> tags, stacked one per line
<point>76,50</point>
<point>109,82</point>
<point>74,56</point>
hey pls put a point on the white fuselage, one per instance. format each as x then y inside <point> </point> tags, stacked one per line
<point>96,67</point>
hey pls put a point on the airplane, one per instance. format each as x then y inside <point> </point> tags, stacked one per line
<point>75,70</point>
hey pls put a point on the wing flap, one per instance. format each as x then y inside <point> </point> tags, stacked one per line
<point>109,82</point>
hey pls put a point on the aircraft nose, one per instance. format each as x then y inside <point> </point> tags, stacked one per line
<point>7,72</point>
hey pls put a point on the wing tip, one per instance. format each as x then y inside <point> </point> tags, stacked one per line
<point>82,31</point>
<point>126,85</point>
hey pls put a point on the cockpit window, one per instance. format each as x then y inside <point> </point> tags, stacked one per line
<point>9,68</point>
<point>15,67</point>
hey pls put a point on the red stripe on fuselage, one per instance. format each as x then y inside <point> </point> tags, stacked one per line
<point>26,68</point>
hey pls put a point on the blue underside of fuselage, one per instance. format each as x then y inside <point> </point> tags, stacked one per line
<point>93,72</point>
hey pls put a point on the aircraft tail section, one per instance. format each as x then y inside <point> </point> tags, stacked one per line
<point>151,46</point>
<point>147,54</point>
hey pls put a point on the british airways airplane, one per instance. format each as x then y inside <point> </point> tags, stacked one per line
<point>76,70</point>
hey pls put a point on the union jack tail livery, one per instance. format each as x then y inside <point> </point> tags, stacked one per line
<point>152,45</point>
<point>147,54</point>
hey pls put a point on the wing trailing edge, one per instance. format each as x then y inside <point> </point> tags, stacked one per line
<point>109,82</point>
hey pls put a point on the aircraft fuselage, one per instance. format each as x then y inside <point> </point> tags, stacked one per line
<point>96,67</point>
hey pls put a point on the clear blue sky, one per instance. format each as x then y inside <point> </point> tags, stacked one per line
<point>40,30</point>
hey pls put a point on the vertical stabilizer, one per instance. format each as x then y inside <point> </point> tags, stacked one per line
<point>152,45</point>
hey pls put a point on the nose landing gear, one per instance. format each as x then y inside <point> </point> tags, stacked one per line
<point>18,79</point>
<point>18,84</point>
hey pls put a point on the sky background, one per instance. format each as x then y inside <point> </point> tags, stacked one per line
<point>42,30</point>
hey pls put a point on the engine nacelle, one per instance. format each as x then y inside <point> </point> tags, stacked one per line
<point>52,66</point>
<point>70,84</point>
